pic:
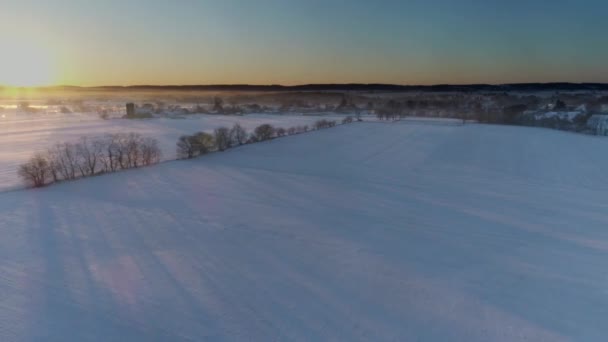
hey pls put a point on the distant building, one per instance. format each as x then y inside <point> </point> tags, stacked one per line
<point>569,116</point>
<point>599,124</point>
<point>130,109</point>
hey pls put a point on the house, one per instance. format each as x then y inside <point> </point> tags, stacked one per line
<point>599,124</point>
<point>569,116</point>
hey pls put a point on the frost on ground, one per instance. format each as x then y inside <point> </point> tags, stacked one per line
<point>370,231</point>
<point>23,134</point>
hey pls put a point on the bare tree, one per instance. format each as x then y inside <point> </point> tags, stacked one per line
<point>186,147</point>
<point>319,124</point>
<point>124,150</point>
<point>264,132</point>
<point>222,138</point>
<point>150,152</point>
<point>205,142</point>
<point>54,164</point>
<point>190,146</point>
<point>280,132</point>
<point>36,171</point>
<point>218,105</point>
<point>65,160</point>
<point>119,151</point>
<point>89,154</point>
<point>131,145</point>
<point>238,134</point>
<point>109,159</point>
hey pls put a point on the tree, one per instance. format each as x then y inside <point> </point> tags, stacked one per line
<point>560,105</point>
<point>54,165</point>
<point>222,138</point>
<point>204,142</point>
<point>36,171</point>
<point>344,104</point>
<point>218,105</point>
<point>132,143</point>
<point>280,132</point>
<point>126,150</point>
<point>512,113</point>
<point>150,152</point>
<point>391,110</point>
<point>190,146</point>
<point>264,132</point>
<point>319,124</point>
<point>186,147</point>
<point>65,161</point>
<point>347,120</point>
<point>109,159</point>
<point>89,154</point>
<point>238,134</point>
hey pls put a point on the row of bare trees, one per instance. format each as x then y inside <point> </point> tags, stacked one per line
<point>320,124</point>
<point>223,138</point>
<point>89,157</point>
<point>114,152</point>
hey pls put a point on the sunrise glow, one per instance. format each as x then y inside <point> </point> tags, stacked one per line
<point>26,63</point>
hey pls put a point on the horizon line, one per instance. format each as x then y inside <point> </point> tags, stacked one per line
<point>331,86</point>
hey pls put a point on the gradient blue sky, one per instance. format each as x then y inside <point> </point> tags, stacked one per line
<point>313,41</point>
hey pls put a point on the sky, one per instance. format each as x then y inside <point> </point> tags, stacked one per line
<point>130,42</point>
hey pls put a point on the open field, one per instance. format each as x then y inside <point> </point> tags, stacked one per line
<point>373,232</point>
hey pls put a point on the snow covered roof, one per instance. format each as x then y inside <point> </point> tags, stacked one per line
<point>561,115</point>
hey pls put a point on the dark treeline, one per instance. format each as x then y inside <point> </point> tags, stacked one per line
<point>519,87</point>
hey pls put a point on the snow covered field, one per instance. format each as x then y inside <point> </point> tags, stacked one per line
<point>23,134</point>
<point>375,232</point>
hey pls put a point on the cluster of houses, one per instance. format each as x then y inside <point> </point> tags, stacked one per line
<point>598,124</point>
<point>579,118</point>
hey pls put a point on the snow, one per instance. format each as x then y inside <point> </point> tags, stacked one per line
<point>22,134</point>
<point>569,116</point>
<point>375,232</point>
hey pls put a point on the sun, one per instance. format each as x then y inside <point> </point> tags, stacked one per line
<point>24,63</point>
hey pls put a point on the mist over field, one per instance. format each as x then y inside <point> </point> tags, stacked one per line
<point>303,170</point>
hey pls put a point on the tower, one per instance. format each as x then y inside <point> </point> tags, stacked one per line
<point>130,109</point>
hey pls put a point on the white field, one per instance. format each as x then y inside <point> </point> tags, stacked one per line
<point>371,232</point>
<point>23,134</point>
